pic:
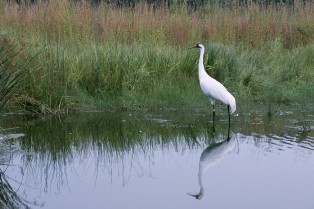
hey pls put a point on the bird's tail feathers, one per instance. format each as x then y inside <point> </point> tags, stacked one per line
<point>232,105</point>
<point>232,108</point>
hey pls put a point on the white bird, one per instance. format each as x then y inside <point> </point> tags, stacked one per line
<point>212,88</point>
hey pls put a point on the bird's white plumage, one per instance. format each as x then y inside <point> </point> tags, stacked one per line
<point>211,87</point>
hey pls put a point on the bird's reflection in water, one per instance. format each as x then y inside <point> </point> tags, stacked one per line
<point>213,154</point>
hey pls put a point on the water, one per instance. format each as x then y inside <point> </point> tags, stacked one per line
<point>160,159</point>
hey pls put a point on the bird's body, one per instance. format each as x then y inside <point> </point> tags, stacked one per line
<point>212,88</point>
<point>216,91</point>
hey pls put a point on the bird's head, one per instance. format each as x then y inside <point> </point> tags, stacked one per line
<point>199,46</point>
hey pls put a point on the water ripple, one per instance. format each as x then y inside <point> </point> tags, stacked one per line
<point>291,142</point>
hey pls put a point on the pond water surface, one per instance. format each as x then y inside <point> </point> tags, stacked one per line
<point>163,159</point>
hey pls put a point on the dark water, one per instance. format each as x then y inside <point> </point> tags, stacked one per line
<point>161,159</point>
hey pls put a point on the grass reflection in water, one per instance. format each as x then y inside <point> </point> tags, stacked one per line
<point>126,144</point>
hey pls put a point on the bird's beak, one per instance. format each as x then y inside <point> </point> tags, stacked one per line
<point>197,196</point>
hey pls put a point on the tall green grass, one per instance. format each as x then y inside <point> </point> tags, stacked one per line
<point>114,75</point>
<point>107,57</point>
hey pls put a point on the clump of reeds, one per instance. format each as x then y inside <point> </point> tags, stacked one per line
<point>13,68</point>
<point>9,198</point>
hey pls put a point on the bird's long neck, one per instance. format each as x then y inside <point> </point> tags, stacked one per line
<point>201,68</point>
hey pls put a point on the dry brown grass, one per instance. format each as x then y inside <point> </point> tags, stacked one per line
<point>253,25</point>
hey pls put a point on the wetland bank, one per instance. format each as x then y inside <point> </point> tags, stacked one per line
<point>81,57</point>
<point>108,111</point>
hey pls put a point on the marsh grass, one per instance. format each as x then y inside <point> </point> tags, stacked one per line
<point>14,66</point>
<point>108,57</point>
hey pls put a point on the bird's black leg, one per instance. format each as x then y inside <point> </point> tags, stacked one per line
<point>214,112</point>
<point>228,137</point>
<point>228,108</point>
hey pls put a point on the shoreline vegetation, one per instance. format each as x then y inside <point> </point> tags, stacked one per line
<point>82,57</point>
